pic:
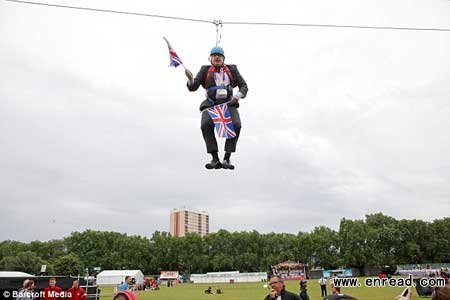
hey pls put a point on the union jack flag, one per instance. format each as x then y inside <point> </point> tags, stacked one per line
<point>221,117</point>
<point>175,61</point>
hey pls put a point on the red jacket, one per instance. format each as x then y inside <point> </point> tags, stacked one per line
<point>53,293</point>
<point>76,294</point>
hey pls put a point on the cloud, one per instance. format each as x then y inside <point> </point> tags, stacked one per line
<point>97,131</point>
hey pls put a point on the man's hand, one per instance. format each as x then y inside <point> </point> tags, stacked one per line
<point>189,75</point>
<point>235,99</point>
<point>273,294</point>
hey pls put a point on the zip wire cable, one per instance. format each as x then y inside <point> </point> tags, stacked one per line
<point>112,11</point>
<point>333,26</point>
<point>217,23</point>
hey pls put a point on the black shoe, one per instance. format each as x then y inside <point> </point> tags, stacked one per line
<point>227,165</point>
<point>214,164</point>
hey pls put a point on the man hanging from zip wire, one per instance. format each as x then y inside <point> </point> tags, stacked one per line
<point>219,80</point>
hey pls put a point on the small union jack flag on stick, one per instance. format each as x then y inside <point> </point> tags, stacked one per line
<point>221,117</point>
<point>175,61</point>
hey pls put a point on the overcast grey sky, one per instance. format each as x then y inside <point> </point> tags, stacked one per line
<point>98,132</point>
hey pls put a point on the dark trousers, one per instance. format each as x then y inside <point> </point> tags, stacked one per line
<point>323,289</point>
<point>207,127</point>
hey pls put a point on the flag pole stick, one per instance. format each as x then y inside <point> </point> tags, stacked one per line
<point>170,48</point>
<point>228,102</point>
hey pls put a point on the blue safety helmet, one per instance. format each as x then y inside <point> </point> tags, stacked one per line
<point>217,50</point>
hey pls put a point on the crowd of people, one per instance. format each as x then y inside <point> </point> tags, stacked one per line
<point>149,284</point>
<point>278,290</point>
<point>128,292</point>
<point>51,292</point>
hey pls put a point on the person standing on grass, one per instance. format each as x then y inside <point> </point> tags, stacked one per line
<point>278,290</point>
<point>303,290</point>
<point>323,286</point>
<point>53,292</point>
<point>76,292</point>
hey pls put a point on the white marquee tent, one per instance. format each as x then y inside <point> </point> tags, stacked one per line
<point>14,274</point>
<point>235,276</point>
<point>118,276</point>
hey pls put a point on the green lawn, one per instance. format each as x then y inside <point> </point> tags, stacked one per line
<point>254,291</point>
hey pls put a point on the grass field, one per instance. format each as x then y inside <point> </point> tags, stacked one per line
<point>255,291</point>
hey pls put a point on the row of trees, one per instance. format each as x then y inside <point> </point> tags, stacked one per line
<point>375,241</point>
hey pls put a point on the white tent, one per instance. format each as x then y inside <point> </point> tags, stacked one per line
<point>230,276</point>
<point>118,276</point>
<point>14,274</point>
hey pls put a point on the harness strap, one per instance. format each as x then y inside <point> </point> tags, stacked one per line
<point>212,70</point>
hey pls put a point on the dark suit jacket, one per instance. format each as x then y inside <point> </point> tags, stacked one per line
<point>304,294</point>
<point>236,81</point>
<point>285,295</point>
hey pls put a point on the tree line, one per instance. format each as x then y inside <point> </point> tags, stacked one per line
<point>375,241</point>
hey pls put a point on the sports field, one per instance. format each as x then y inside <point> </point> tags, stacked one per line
<point>255,291</point>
